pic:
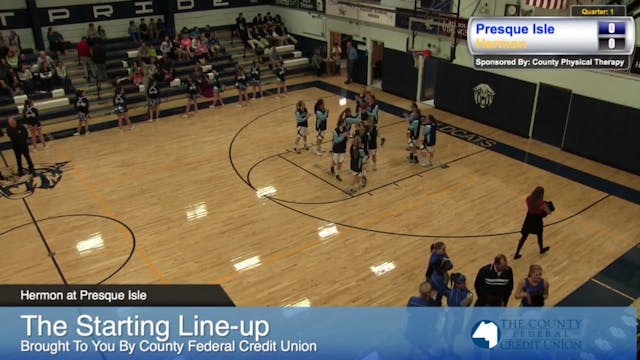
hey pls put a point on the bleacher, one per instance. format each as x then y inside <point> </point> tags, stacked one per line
<point>56,109</point>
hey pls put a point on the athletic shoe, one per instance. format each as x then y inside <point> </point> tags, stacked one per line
<point>351,191</point>
<point>150,120</point>
<point>253,98</point>
<point>296,150</point>
<point>185,115</point>
<point>319,153</point>
<point>517,256</point>
<point>76,133</point>
<point>544,249</point>
<point>338,177</point>
<point>332,171</point>
<point>382,141</point>
<point>211,106</point>
<point>306,147</point>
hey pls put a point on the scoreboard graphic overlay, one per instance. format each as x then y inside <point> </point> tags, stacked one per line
<point>585,41</point>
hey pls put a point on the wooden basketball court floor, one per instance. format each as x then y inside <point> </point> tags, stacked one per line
<point>175,202</point>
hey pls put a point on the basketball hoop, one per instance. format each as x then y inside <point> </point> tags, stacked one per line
<point>419,56</point>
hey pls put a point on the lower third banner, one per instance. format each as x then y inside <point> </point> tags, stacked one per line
<point>317,333</point>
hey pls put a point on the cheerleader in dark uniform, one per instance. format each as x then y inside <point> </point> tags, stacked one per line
<point>218,88</point>
<point>321,124</point>
<point>193,91</point>
<point>82,110</point>
<point>537,209</point>
<point>153,96</point>
<point>357,161</point>
<point>120,108</point>
<point>339,148</point>
<point>241,85</point>
<point>30,116</point>
<point>302,122</point>
<point>255,72</point>
<point>280,71</point>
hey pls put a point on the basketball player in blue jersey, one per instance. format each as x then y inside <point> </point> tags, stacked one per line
<point>280,71</point>
<point>339,148</point>
<point>31,116</point>
<point>302,121</point>
<point>193,91</point>
<point>429,141</point>
<point>254,73</point>
<point>82,110</point>
<point>321,124</point>
<point>241,85</point>
<point>363,133</point>
<point>218,88</point>
<point>414,120</point>
<point>153,99</point>
<point>349,119</point>
<point>357,162</point>
<point>120,108</point>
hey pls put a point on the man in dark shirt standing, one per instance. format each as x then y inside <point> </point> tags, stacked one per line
<point>19,136</point>
<point>494,283</point>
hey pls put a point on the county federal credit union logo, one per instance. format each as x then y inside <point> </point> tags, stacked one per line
<point>485,334</point>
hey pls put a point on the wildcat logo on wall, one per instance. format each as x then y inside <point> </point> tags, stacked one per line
<point>45,176</point>
<point>483,94</point>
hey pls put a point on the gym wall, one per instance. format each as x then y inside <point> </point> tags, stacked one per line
<point>491,99</point>
<point>16,18</point>
<point>604,132</point>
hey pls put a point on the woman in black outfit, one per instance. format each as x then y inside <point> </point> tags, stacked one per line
<point>537,209</point>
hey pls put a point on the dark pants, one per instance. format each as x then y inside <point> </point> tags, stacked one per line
<point>22,150</point>
<point>351,64</point>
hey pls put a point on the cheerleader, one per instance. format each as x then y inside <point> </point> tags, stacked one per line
<point>82,109</point>
<point>218,88</point>
<point>357,161</point>
<point>429,140</point>
<point>120,108</point>
<point>302,120</point>
<point>241,85</point>
<point>193,91</point>
<point>339,148</point>
<point>30,116</point>
<point>254,72</point>
<point>321,124</point>
<point>279,71</point>
<point>153,96</point>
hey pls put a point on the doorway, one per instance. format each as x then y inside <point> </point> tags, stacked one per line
<point>377,52</point>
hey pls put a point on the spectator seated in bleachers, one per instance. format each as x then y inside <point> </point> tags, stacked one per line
<point>161,29</point>
<point>134,32</point>
<point>13,60</point>
<point>144,30</point>
<point>46,77</point>
<point>14,42</point>
<point>56,42</point>
<point>43,58</point>
<point>154,35</point>
<point>4,77</point>
<point>166,71</point>
<point>257,20</point>
<point>62,78</point>
<point>102,34</point>
<point>24,80</point>
<point>92,34</point>
<point>252,40</point>
<point>201,52</point>
<point>143,53</point>
<point>166,48</point>
<point>136,73</point>
<point>185,48</point>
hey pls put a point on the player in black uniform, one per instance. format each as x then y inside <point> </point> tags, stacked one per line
<point>372,130</point>
<point>193,91</point>
<point>321,124</point>
<point>280,71</point>
<point>30,116</point>
<point>429,131</point>
<point>357,162</point>
<point>413,132</point>
<point>153,96</point>
<point>120,108</point>
<point>241,85</point>
<point>374,112</point>
<point>218,88</point>
<point>82,109</point>
<point>255,73</point>
<point>302,122</point>
<point>339,148</point>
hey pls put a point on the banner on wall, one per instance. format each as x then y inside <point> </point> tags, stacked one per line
<point>14,19</point>
<point>308,5</point>
<point>449,23</point>
<point>371,14</point>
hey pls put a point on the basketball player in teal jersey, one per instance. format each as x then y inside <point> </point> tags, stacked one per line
<point>302,121</point>
<point>339,148</point>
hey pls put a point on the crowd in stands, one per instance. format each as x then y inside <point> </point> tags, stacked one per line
<point>493,284</point>
<point>263,32</point>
